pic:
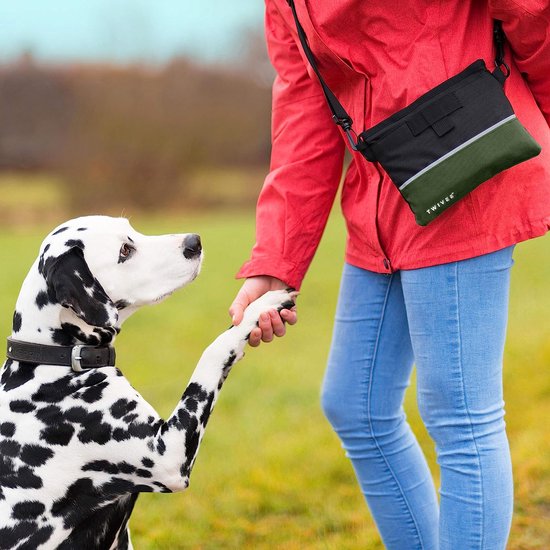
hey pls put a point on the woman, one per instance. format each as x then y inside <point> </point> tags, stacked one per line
<point>435,295</point>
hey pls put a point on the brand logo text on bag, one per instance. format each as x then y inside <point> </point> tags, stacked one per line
<point>440,203</point>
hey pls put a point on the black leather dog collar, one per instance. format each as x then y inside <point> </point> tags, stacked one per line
<point>76,357</point>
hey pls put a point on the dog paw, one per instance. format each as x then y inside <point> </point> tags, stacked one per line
<point>275,299</point>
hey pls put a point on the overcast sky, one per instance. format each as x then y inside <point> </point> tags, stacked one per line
<point>126,30</point>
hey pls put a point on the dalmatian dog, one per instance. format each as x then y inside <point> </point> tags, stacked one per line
<point>77,442</point>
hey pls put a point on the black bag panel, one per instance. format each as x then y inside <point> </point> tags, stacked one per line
<point>475,67</point>
<point>436,123</point>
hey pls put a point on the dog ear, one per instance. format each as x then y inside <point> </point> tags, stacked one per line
<point>71,284</point>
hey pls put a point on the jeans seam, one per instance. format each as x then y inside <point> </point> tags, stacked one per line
<point>457,295</point>
<point>368,413</point>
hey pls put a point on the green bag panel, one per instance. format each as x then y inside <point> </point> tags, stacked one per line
<point>440,186</point>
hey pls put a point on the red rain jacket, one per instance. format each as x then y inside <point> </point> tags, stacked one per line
<point>377,57</point>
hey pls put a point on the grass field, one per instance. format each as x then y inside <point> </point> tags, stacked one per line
<point>270,473</point>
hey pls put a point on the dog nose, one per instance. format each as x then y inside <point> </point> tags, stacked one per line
<point>192,246</point>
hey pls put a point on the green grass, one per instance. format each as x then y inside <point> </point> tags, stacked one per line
<point>270,472</point>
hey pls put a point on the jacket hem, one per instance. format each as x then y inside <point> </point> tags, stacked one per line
<point>485,244</point>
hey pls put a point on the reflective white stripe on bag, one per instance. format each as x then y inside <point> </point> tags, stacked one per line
<point>456,150</point>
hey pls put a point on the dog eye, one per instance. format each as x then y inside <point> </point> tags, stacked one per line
<point>125,252</point>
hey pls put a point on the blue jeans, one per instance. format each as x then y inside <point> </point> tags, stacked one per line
<point>450,320</point>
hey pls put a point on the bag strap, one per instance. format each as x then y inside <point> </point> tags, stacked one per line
<point>340,115</point>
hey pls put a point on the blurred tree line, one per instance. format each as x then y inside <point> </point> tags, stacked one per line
<point>131,134</point>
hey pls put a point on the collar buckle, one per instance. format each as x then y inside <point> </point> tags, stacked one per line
<point>76,358</point>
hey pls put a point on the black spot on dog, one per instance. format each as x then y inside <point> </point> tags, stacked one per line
<point>94,378</point>
<point>195,390</point>
<point>130,418</point>
<point>82,293</point>
<point>37,539</point>
<point>10,537</point>
<point>62,338</point>
<point>93,394</point>
<point>102,526</point>
<point>120,434</point>
<point>205,416</point>
<point>70,334</point>
<point>15,375</point>
<point>105,335</point>
<point>55,392</point>
<point>21,406</point>
<point>184,419</point>
<point>50,415</point>
<point>6,371</point>
<point>82,229</point>
<point>29,509</point>
<point>122,304</point>
<point>82,491</point>
<point>147,462</point>
<point>121,407</point>
<point>230,360</point>
<point>78,415</point>
<point>98,433</point>
<point>75,243</point>
<point>8,447</point>
<point>13,477</point>
<point>60,434</point>
<point>141,488</point>
<point>102,466</point>
<point>126,468</point>
<point>35,455</point>
<point>42,299</point>
<point>60,230</point>
<point>41,260</point>
<point>161,447</point>
<point>7,429</point>
<point>89,498</point>
<point>141,430</point>
<point>17,321</point>
<point>191,404</point>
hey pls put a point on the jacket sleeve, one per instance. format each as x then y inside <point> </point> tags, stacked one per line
<point>527,27</point>
<point>306,164</point>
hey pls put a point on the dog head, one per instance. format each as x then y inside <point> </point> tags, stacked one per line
<point>92,272</point>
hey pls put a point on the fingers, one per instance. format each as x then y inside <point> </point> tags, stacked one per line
<point>266,326</point>
<point>277,323</point>
<point>237,311</point>
<point>289,316</point>
<point>270,324</point>
<point>255,337</point>
<point>241,302</point>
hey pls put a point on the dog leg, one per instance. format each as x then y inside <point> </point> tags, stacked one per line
<point>177,441</point>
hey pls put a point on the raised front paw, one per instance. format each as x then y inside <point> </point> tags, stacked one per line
<point>275,299</point>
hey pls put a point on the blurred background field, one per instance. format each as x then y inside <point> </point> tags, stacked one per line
<point>270,473</point>
<point>160,112</point>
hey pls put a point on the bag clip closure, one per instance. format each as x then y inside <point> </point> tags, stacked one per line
<point>345,124</point>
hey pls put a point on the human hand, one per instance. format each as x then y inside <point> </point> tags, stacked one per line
<point>271,322</point>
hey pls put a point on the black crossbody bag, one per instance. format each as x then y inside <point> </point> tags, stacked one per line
<point>447,142</point>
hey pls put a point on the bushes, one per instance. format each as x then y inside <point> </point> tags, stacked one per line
<point>131,134</point>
